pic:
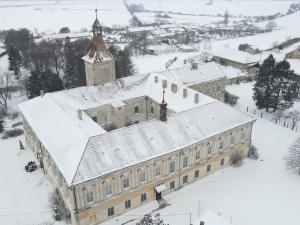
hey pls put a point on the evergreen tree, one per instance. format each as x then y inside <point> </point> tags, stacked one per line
<point>34,84</point>
<point>123,63</point>
<point>74,65</point>
<point>262,87</point>
<point>43,81</point>
<point>15,62</point>
<point>51,82</point>
<point>284,86</point>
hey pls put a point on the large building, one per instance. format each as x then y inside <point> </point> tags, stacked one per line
<point>116,144</point>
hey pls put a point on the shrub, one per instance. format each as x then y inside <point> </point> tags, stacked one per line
<point>253,153</point>
<point>17,124</point>
<point>236,159</point>
<point>56,202</point>
<point>12,133</point>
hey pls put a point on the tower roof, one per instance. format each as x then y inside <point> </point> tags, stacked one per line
<point>98,51</point>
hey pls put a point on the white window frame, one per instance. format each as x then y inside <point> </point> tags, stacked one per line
<point>108,189</point>
<point>142,176</point>
<point>90,197</point>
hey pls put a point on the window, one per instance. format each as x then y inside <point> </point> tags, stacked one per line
<point>231,139</point>
<point>89,197</point>
<point>198,155</point>
<point>243,136</point>
<point>142,176</point>
<point>136,109</point>
<point>209,150</point>
<point>218,88</point>
<point>196,173</point>
<point>152,110</point>
<point>172,167</point>
<point>126,183</point>
<point>136,122</point>
<point>127,204</point>
<point>185,179</point>
<point>108,189</point>
<point>185,162</point>
<point>111,211</point>
<point>94,118</point>
<point>208,168</point>
<point>143,197</point>
<point>222,162</point>
<point>172,185</point>
<point>157,170</point>
<point>221,144</point>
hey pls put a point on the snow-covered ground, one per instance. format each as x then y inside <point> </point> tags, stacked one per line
<point>259,192</point>
<point>234,7</point>
<point>53,15</point>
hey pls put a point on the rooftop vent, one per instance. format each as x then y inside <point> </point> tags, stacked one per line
<point>79,114</point>
<point>194,66</point>
<point>196,98</point>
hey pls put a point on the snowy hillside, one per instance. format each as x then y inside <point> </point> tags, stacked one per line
<point>235,7</point>
<point>52,15</point>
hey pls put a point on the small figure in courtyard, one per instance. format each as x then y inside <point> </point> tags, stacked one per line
<point>21,145</point>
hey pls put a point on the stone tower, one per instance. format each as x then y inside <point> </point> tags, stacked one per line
<point>99,62</point>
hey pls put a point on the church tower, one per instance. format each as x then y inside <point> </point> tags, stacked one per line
<point>99,62</point>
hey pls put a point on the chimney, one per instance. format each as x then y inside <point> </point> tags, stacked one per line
<point>156,79</point>
<point>202,223</point>
<point>196,98</point>
<point>174,88</point>
<point>194,66</point>
<point>184,92</point>
<point>164,84</point>
<point>79,114</point>
<point>163,109</point>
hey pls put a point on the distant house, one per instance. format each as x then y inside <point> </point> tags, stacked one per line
<point>249,49</point>
<point>235,58</point>
<point>295,54</point>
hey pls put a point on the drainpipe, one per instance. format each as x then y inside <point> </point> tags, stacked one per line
<point>75,201</point>
<point>179,171</point>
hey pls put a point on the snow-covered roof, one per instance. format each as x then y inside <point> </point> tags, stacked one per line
<point>236,55</point>
<point>295,65</point>
<point>54,117</point>
<point>128,146</point>
<point>188,76</point>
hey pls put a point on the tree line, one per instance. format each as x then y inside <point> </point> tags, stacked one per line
<point>54,65</point>
<point>276,85</point>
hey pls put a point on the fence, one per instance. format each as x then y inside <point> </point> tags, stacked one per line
<point>279,119</point>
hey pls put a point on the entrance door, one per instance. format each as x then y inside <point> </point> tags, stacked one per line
<point>157,195</point>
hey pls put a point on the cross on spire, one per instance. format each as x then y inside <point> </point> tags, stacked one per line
<point>96,11</point>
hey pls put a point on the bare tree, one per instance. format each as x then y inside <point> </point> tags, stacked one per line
<point>5,88</point>
<point>294,116</point>
<point>293,157</point>
<point>149,220</point>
